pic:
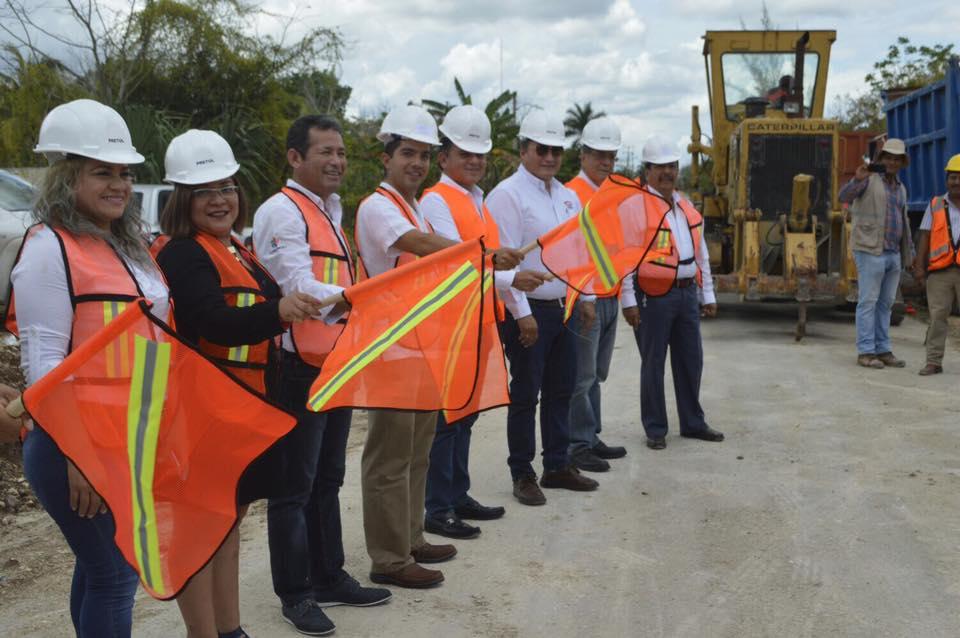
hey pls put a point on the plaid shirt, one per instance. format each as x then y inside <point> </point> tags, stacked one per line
<point>893,228</point>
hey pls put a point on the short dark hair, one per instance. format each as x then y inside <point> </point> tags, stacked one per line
<point>391,147</point>
<point>524,143</point>
<point>445,144</point>
<point>175,217</point>
<point>298,135</point>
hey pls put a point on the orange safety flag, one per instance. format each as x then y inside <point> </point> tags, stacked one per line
<point>595,250</point>
<point>419,337</point>
<point>164,443</point>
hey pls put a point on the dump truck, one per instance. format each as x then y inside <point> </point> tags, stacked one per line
<point>773,224</point>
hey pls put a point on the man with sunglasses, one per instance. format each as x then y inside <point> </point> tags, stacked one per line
<point>540,348</point>
<point>674,292</point>
<point>599,143</point>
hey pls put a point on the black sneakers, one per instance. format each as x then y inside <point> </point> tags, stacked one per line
<point>349,592</point>
<point>308,618</point>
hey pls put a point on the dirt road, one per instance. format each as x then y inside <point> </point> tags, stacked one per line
<point>830,510</point>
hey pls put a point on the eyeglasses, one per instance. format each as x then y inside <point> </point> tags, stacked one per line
<point>209,193</point>
<point>543,150</point>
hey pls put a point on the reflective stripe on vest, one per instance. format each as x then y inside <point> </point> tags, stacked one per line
<point>943,252</point>
<point>240,289</point>
<point>470,224</point>
<point>331,263</point>
<point>656,278</point>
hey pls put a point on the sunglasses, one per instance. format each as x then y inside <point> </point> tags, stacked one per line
<point>543,150</point>
<point>210,193</point>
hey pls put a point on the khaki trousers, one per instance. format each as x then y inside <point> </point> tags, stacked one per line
<point>393,480</point>
<point>943,288</point>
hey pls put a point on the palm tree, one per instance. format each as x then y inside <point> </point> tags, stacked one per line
<point>577,118</point>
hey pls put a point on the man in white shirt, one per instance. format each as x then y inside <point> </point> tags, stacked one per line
<point>391,231</point>
<point>670,310</point>
<point>938,262</point>
<point>304,530</point>
<point>540,348</point>
<point>454,207</point>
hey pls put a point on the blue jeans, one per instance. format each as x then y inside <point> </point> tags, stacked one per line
<point>877,279</point>
<point>101,596</point>
<point>594,351</point>
<point>448,478</point>
<point>303,529</point>
<point>545,370</point>
<point>673,321</point>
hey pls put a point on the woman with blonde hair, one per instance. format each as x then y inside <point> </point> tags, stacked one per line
<point>86,251</point>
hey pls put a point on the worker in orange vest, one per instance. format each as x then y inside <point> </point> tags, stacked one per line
<point>454,208</point>
<point>599,144</point>
<point>78,267</point>
<point>938,262</point>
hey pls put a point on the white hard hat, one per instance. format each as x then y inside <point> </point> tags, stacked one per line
<point>659,150</point>
<point>411,122</point>
<point>543,128</point>
<point>89,129</point>
<point>199,157</point>
<point>468,128</point>
<point>601,134</point>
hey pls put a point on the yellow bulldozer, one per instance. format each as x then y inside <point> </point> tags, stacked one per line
<point>774,226</point>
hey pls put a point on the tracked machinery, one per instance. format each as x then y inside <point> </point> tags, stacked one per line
<point>774,226</point>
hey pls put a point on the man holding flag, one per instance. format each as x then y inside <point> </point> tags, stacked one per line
<point>454,207</point>
<point>392,232</point>
<point>540,348</point>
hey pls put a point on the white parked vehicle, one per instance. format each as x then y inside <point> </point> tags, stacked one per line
<point>152,198</point>
<point>16,200</point>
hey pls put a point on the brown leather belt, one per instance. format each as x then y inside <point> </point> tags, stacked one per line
<point>683,283</point>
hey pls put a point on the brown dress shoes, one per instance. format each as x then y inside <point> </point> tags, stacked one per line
<point>569,478</point>
<point>412,576</point>
<point>428,553</point>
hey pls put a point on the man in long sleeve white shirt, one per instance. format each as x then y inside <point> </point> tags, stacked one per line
<point>454,207</point>
<point>540,348</point>
<point>671,317</point>
<point>304,530</point>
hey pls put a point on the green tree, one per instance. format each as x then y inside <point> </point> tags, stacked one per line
<point>909,66</point>
<point>577,117</point>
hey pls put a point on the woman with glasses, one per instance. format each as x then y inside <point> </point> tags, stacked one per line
<point>229,306</point>
<point>86,251</point>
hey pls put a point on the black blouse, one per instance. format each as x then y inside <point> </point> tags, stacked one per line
<point>199,307</point>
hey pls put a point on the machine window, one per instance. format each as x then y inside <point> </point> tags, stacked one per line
<point>758,76</point>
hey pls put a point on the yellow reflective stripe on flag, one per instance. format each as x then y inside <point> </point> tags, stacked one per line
<point>598,252</point>
<point>148,391</point>
<point>429,304</point>
<point>241,353</point>
<point>663,239</point>
<point>111,310</point>
<point>460,333</point>
<point>573,296</point>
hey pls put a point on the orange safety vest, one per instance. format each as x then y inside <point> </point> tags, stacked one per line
<point>582,188</point>
<point>332,264</point>
<point>463,210</point>
<point>943,252</point>
<point>240,290</point>
<point>100,284</point>
<point>407,212</point>
<point>655,278</point>
<point>158,243</point>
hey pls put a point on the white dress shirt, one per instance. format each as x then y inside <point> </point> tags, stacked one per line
<point>379,225</point>
<point>436,211</point>
<point>524,210</point>
<point>280,242</point>
<point>927,222</point>
<point>680,231</point>
<point>44,311</point>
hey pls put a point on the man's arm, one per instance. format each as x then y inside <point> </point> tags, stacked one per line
<point>856,186</point>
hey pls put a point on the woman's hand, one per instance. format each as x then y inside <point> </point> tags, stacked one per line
<point>9,425</point>
<point>298,306</point>
<point>84,500</point>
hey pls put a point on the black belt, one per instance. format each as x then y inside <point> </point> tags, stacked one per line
<point>683,283</point>
<point>548,302</point>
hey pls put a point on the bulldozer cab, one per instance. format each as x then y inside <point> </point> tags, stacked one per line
<point>773,223</point>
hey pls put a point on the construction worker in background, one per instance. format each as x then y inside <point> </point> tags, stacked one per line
<point>672,292</point>
<point>540,348</point>
<point>594,345</point>
<point>882,248</point>
<point>85,256</point>
<point>938,261</point>
<point>454,208</point>
<point>298,238</point>
<point>390,232</point>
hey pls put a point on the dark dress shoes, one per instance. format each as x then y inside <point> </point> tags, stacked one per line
<point>605,451</point>
<point>526,490</point>
<point>656,442</point>
<point>428,553</point>
<point>450,525</point>
<point>706,434</point>
<point>413,576</point>
<point>472,510</point>
<point>587,461</point>
<point>568,478</point>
